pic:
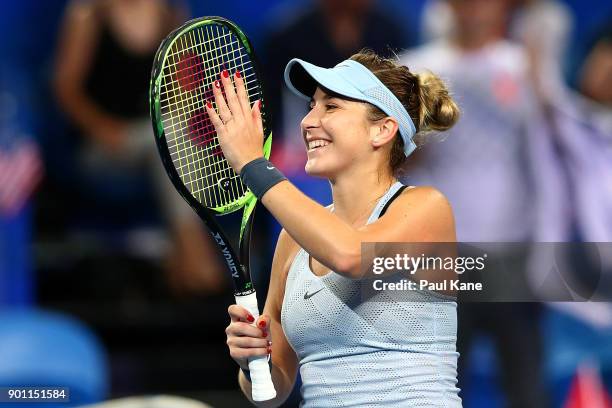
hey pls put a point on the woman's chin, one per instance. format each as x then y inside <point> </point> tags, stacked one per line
<point>314,169</point>
<point>313,172</point>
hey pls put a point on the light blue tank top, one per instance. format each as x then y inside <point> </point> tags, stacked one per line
<point>378,352</point>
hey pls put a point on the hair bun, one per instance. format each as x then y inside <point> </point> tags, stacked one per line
<point>438,109</point>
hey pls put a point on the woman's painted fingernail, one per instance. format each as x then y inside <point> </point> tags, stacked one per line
<point>262,323</point>
<point>270,343</point>
<point>237,73</point>
<point>250,318</point>
<point>225,73</point>
<point>259,105</point>
<point>210,107</point>
<point>218,84</point>
<point>264,333</point>
<point>269,350</point>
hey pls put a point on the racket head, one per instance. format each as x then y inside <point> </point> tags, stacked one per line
<point>186,65</point>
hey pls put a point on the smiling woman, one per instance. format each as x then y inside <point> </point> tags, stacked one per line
<point>364,116</point>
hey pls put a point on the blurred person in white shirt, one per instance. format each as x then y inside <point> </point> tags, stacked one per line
<point>497,168</point>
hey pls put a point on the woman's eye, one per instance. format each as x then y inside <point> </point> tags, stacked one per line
<point>330,106</point>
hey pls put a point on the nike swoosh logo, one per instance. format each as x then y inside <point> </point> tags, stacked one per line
<point>309,295</point>
<point>270,167</point>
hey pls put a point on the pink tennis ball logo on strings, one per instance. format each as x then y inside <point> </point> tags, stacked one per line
<point>202,132</point>
<point>190,73</point>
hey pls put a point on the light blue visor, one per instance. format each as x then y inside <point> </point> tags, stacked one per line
<point>353,80</point>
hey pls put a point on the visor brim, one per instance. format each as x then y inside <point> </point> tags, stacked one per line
<point>303,78</point>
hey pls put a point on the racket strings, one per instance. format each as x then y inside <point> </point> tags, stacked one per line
<point>193,63</point>
<point>180,113</point>
<point>228,52</point>
<point>233,41</point>
<point>167,116</point>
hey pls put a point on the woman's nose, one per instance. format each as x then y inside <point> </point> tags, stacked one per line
<point>311,120</point>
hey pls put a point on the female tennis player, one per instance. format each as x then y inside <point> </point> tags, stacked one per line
<point>364,115</point>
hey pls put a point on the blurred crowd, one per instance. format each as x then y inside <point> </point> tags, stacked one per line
<point>102,262</point>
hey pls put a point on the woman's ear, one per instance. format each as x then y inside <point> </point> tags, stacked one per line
<point>383,131</point>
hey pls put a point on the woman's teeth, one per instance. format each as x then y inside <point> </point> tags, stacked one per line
<point>317,143</point>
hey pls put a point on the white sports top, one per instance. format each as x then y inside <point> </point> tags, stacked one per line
<point>356,352</point>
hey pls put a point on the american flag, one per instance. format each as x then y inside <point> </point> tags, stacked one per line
<point>587,389</point>
<point>20,172</point>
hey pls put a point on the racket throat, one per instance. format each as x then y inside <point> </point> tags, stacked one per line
<point>240,276</point>
<point>227,255</point>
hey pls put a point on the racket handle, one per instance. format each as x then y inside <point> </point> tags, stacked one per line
<point>262,388</point>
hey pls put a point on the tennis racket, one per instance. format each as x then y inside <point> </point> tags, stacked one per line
<point>186,65</point>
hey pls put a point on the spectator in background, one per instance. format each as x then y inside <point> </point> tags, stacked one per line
<point>542,26</point>
<point>583,140</point>
<point>102,77</point>
<point>595,116</point>
<point>495,169</point>
<point>596,77</point>
<point>330,32</point>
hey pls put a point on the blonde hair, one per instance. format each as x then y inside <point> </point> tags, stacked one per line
<point>425,97</point>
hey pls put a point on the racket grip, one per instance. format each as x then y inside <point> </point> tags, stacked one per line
<point>262,388</point>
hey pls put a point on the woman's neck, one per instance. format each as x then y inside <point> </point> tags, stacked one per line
<point>356,195</point>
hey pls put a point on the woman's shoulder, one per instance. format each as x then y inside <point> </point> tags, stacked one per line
<point>423,208</point>
<point>418,189</point>
<point>89,13</point>
<point>428,197</point>
<point>418,193</point>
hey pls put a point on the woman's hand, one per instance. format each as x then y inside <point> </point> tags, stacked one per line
<point>246,339</point>
<point>239,127</point>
